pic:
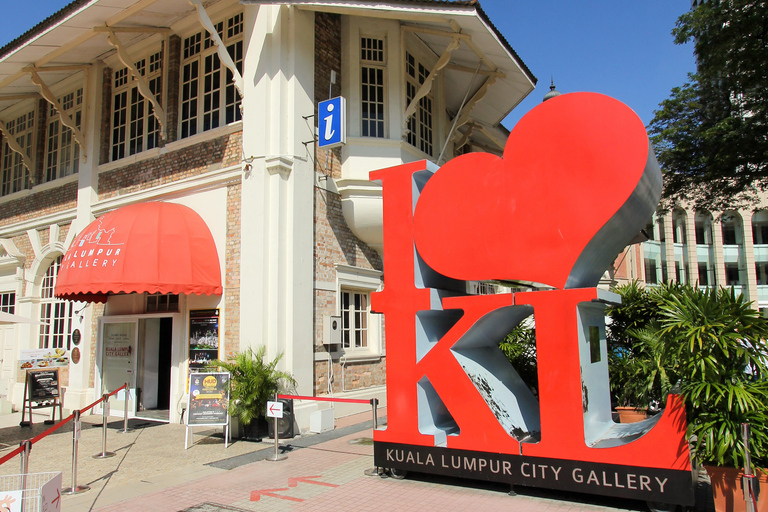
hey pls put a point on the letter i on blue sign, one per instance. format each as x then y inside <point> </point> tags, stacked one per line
<point>332,126</point>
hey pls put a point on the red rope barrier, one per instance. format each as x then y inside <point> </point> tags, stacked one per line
<point>118,389</point>
<point>11,455</point>
<point>94,404</point>
<point>324,399</point>
<point>54,428</point>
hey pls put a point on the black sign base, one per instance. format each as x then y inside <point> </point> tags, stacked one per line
<point>674,487</point>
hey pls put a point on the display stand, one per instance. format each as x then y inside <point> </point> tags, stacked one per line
<point>208,397</point>
<point>41,390</point>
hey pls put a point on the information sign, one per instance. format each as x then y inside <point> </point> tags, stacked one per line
<point>332,114</point>
<point>43,385</point>
<point>208,398</point>
<point>275,410</point>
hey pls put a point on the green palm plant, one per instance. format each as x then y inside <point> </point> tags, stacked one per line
<point>254,381</point>
<point>720,358</point>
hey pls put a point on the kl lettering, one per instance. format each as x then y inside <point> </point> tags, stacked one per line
<point>554,211</point>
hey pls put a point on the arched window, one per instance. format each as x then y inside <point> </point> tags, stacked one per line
<point>56,314</point>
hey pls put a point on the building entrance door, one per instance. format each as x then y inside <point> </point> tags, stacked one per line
<point>154,368</point>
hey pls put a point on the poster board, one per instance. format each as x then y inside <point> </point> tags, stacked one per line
<point>208,398</point>
<point>203,338</point>
<point>43,385</point>
<point>43,358</point>
<point>42,388</point>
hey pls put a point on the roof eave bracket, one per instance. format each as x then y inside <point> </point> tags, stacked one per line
<point>16,148</point>
<point>141,82</point>
<point>64,117</point>
<point>224,55</point>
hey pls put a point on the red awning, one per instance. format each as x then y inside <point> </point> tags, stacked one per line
<point>150,247</point>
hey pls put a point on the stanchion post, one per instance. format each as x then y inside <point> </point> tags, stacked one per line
<point>748,480</point>
<point>374,406</point>
<point>104,413</point>
<point>77,427</point>
<point>27,445</point>
<point>277,456</point>
<point>125,412</point>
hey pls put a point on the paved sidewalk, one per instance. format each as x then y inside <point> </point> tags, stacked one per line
<point>322,472</point>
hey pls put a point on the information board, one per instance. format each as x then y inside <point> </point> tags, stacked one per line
<point>203,338</point>
<point>43,385</point>
<point>208,399</point>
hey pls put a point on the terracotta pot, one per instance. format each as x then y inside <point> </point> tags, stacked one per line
<point>727,491</point>
<point>631,414</point>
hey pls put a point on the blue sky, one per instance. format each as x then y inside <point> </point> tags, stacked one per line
<point>622,48</point>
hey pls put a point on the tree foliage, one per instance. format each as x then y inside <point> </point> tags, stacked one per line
<point>711,134</point>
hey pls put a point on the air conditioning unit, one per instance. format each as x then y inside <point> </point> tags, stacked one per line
<point>332,330</point>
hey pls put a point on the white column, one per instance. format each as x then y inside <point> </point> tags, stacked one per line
<point>748,255</point>
<point>277,295</point>
<point>78,392</point>
<point>669,247</point>
<point>719,257</point>
<point>691,246</point>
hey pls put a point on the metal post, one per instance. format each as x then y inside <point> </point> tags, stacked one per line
<point>125,412</point>
<point>374,406</point>
<point>75,489</point>
<point>748,481</point>
<point>104,413</point>
<point>277,455</point>
<point>27,444</point>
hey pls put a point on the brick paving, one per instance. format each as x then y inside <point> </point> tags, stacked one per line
<point>152,471</point>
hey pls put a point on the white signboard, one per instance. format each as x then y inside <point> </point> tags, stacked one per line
<point>10,501</point>
<point>274,410</point>
<point>42,358</point>
<point>50,495</point>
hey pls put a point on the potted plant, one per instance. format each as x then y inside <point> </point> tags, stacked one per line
<point>637,359</point>
<point>720,359</point>
<point>254,382</point>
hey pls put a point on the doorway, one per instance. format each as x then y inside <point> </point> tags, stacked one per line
<point>153,372</point>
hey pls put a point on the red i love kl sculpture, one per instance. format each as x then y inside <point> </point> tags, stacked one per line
<point>577,181</point>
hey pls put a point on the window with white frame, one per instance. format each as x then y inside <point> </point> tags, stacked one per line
<point>420,123</point>
<point>15,176</point>
<point>354,319</point>
<point>372,94</point>
<point>134,125</point>
<point>8,302</point>
<point>55,314</point>
<point>361,335</point>
<point>62,154</point>
<point>209,98</point>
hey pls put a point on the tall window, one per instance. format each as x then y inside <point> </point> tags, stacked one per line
<point>55,314</point>
<point>62,154</point>
<point>8,302</point>
<point>134,126</point>
<point>420,123</point>
<point>15,176</point>
<point>354,319</point>
<point>209,98</point>
<point>372,59</point>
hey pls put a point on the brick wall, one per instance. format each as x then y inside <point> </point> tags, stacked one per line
<point>39,204</point>
<point>334,241</point>
<point>172,166</point>
<point>232,272</point>
<point>105,122</point>
<point>327,59</point>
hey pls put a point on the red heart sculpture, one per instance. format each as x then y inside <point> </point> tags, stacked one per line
<point>578,180</point>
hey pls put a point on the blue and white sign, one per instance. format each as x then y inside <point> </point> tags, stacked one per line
<point>332,126</point>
